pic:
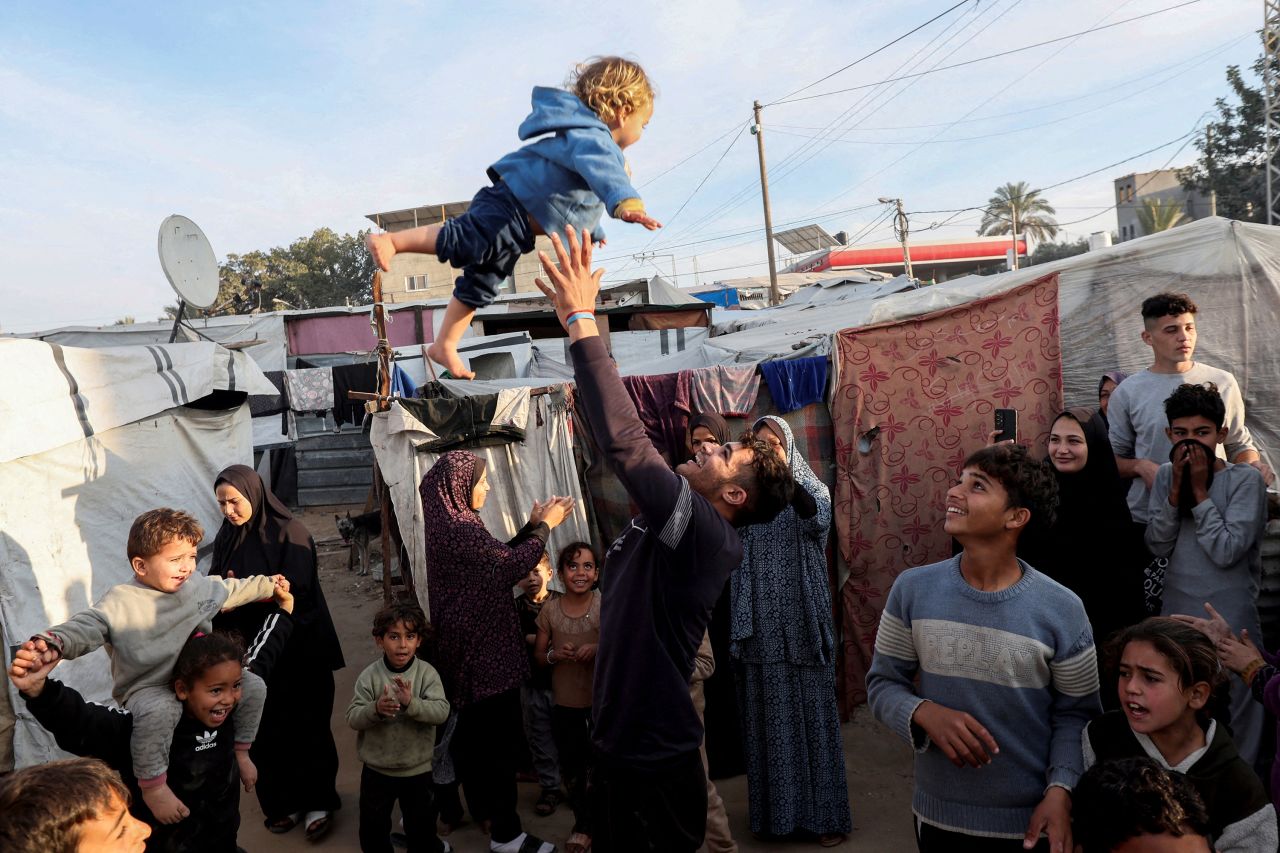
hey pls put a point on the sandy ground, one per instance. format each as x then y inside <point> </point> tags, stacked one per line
<point>879,765</point>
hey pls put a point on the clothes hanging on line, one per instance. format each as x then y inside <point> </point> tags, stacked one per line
<point>309,390</point>
<point>269,404</point>
<point>662,402</point>
<point>352,377</point>
<point>468,421</point>
<point>728,390</point>
<point>796,383</point>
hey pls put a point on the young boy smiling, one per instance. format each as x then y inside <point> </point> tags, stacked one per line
<point>144,624</point>
<point>1007,675</point>
<point>1208,516</point>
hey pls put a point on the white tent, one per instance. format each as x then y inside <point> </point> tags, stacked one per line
<point>1231,269</point>
<point>89,439</point>
<point>532,470</point>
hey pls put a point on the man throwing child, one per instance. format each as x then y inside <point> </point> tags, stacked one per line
<point>661,578</point>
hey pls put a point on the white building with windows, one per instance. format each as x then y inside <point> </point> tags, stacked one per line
<point>416,277</point>
<point>1161,185</point>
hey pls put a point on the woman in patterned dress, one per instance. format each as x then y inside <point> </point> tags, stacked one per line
<point>784,656</point>
<point>479,648</point>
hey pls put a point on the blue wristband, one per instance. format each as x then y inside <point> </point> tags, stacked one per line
<point>579,315</point>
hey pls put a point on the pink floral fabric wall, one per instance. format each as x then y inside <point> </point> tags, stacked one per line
<point>913,400</point>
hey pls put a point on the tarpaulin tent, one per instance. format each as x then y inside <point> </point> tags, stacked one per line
<point>89,439</point>
<point>521,472</point>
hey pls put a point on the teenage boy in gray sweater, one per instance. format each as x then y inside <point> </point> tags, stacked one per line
<point>399,700</point>
<point>144,624</point>
<point>1007,675</point>
<point>1135,412</point>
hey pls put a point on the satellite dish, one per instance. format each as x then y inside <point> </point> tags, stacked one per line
<point>188,262</point>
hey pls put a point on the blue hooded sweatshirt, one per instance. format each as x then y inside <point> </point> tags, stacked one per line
<point>570,178</point>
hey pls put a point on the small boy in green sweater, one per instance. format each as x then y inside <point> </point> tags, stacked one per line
<point>399,702</point>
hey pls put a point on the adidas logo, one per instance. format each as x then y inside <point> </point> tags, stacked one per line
<point>208,740</point>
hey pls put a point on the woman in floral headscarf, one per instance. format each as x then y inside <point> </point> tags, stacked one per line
<point>480,652</point>
<point>784,657</point>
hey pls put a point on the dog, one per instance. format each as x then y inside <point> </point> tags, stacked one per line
<point>356,532</point>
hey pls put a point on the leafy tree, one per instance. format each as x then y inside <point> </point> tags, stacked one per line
<point>1233,152</point>
<point>1051,251</point>
<point>323,269</point>
<point>1160,215</point>
<point>1017,203</point>
<point>126,320</point>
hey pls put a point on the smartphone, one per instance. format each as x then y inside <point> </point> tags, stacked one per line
<point>1007,424</point>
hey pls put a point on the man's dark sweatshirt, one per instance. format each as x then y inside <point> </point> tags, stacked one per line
<point>203,772</point>
<point>661,578</point>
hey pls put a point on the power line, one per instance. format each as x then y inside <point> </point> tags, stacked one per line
<point>1186,136</point>
<point>705,178</point>
<point>1193,61</point>
<point>788,163</point>
<point>882,47</point>
<point>976,60</point>
<point>671,169</point>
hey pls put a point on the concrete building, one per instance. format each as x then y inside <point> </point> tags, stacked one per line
<point>1161,185</point>
<point>414,277</point>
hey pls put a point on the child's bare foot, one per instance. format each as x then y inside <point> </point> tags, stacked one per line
<point>447,357</point>
<point>381,248</point>
<point>248,770</point>
<point>164,804</point>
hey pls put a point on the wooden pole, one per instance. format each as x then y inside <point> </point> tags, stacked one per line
<point>382,405</point>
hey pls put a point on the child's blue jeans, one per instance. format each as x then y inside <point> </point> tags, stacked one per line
<point>485,243</point>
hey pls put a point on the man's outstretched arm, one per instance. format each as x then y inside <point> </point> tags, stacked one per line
<point>658,491</point>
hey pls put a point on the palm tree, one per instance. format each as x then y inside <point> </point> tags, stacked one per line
<point>1160,215</point>
<point>1021,209</point>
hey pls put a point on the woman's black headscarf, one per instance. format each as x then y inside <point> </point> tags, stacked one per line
<point>718,426</point>
<point>273,542</point>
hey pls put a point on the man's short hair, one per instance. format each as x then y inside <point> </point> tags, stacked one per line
<point>767,482</point>
<point>156,528</point>
<point>1115,801</point>
<point>43,808</point>
<point>1030,484</point>
<point>1167,305</point>
<point>1189,400</point>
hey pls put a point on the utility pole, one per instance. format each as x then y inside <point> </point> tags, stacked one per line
<point>1013,202</point>
<point>901,229</point>
<point>774,295</point>
<point>1271,101</point>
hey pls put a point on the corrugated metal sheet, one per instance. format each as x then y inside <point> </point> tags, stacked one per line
<point>333,467</point>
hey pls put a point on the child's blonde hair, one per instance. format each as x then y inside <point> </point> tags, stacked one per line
<point>609,84</point>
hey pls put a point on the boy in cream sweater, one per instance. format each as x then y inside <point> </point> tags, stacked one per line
<point>399,700</point>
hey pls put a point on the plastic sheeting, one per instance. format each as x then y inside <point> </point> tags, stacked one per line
<point>519,474</point>
<point>65,519</point>
<point>1231,269</point>
<point>55,395</point>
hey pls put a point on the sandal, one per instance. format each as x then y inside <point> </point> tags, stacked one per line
<point>547,802</point>
<point>282,825</point>
<point>832,839</point>
<point>579,842</point>
<point>318,825</point>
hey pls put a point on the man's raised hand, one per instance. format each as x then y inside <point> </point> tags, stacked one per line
<point>574,287</point>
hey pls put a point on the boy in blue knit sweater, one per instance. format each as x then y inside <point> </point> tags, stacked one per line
<point>1007,676</point>
<point>568,178</point>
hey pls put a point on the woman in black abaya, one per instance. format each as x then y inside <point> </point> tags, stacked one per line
<point>295,753</point>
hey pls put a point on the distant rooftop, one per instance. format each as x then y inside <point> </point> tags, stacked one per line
<point>412,217</point>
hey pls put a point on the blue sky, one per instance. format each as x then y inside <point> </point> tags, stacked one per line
<point>264,121</point>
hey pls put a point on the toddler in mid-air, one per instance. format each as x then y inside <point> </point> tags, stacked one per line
<point>568,178</point>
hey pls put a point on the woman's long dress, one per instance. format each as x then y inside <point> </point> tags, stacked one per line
<point>784,656</point>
